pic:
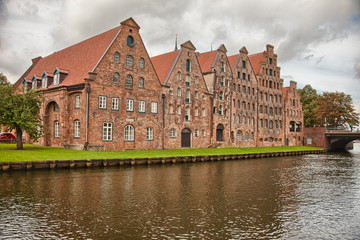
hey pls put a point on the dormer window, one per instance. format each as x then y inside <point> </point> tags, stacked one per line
<point>44,82</point>
<point>56,79</point>
<point>34,82</point>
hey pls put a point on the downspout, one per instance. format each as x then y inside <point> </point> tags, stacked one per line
<point>163,121</point>
<point>87,116</point>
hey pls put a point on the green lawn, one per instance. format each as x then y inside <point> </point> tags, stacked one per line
<point>8,152</point>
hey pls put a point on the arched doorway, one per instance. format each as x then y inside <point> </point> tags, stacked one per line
<point>50,118</point>
<point>220,133</point>
<point>186,138</point>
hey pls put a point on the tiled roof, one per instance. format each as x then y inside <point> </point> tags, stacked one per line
<point>76,60</point>
<point>206,60</point>
<point>232,60</point>
<point>163,64</point>
<point>255,60</point>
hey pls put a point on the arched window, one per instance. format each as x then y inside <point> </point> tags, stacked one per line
<point>129,80</point>
<point>117,57</point>
<point>187,96</point>
<point>77,129</point>
<point>172,133</point>
<point>142,63</point>
<point>129,60</point>
<point>220,110</point>
<point>239,135</point>
<point>221,95</point>
<point>187,113</point>
<point>141,82</point>
<point>243,119</point>
<point>129,133</point>
<point>188,65</point>
<point>130,41</point>
<point>252,136</point>
<point>187,80</point>
<point>116,78</point>
<point>196,113</point>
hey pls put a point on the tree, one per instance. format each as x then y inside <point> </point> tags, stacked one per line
<point>336,109</point>
<point>3,80</point>
<point>21,111</point>
<point>309,99</point>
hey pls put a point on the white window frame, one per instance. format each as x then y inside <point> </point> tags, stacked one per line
<point>56,79</point>
<point>154,107</point>
<point>56,129</point>
<point>142,106</point>
<point>129,133</point>
<point>107,131</point>
<point>102,102</point>
<point>129,105</point>
<point>115,103</point>
<point>44,82</point>
<point>172,133</point>
<point>149,134</point>
<point>77,129</point>
<point>77,101</point>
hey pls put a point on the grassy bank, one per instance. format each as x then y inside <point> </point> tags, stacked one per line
<point>40,153</point>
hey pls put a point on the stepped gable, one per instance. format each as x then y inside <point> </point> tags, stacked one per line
<point>163,64</point>
<point>76,60</point>
<point>255,61</point>
<point>207,61</point>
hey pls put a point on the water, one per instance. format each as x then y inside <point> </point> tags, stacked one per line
<point>303,197</point>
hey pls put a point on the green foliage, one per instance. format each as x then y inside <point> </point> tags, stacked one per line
<point>309,99</point>
<point>3,81</point>
<point>42,153</point>
<point>336,109</point>
<point>20,111</point>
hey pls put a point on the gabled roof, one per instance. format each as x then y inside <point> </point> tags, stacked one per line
<point>232,60</point>
<point>207,61</point>
<point>76,60</point>
<point>255,60</point>
<point>164,63</point>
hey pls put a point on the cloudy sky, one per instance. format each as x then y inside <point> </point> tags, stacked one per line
<point>317,42</point>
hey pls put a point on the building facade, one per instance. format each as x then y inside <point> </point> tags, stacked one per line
<point>106,93</point>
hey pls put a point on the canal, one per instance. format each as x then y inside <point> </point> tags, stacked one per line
<point>301,197</point>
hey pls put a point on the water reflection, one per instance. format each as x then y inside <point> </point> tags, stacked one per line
<point>304,197</point>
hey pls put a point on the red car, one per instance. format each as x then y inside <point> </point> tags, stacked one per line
<point>7,137</point>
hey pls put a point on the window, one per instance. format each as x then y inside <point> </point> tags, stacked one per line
<point>203,112</point>
<point>179,92</point>
<point>271,111</point>
<point>261,109</point>
<point>117,57</point>
<point>220,110</point>
<point>270,124</point>
<point>244,64</point>
<point>130,41</point>
<point>243,119</point>
<point>141,82</point>
<point>102,102</point>
<point>244,89</point>
<point>56,129</point>
<point>129,80</point>
<point>222,67</point>
<point>149,134</point>
<point>238,75</point>
<point>154,107</point>
<point>238,135</point>
<point>187,99</point>
<point>56,79</point>
<point>44,82</point>
<point>243,105</point>
<point>129,60</point>
<point>77,101</point>
<point>172,133</point>
<point>188,65</point>
<point>270,72</point>
<point>270,60</point>
<point>76,129</point>
<point>179,76</point>
<point>187,114</point>
<point>178,110</point>
<point>34,84</point>
<point>196,95</point>
<point>115,103</point>
<point>116,78</point>
<point>248,77</point>
<point>196,113</point>
<point>187,80</point>
<point>243,76</point>
<point>196,133</point>
<point>129,133</point>
<point>221,95</point>
<point>129,105</point>
<point>171,109</point>
<point>142,106</point>
<point>203,133</point>
<point>196,80</point>
<point>56,107</point>
<point>142,63</point>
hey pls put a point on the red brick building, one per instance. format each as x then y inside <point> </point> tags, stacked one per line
<point>106,93</point>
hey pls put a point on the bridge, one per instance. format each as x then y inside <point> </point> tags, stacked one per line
<point>339,140</point>
<point>330,139</point>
